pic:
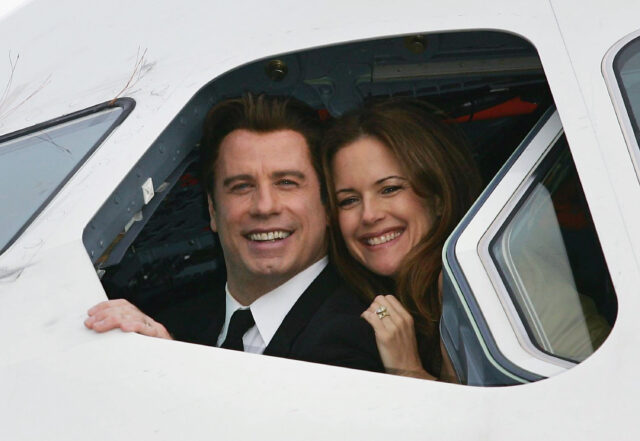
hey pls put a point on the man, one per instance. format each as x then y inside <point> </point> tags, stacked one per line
<point>282,298</point>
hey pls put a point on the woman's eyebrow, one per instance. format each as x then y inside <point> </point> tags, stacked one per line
<point>380,181</point>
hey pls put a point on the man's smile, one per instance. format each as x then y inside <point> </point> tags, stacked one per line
<point>271,236</point>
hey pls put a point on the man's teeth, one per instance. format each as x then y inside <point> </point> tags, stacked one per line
<point>384,238</point>
<point>271,235</point>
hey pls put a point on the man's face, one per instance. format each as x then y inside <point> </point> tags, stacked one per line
<point>268,212</point>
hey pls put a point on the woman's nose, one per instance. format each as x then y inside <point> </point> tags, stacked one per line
<point>371,212</point>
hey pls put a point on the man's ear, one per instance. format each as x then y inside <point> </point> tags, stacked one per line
<point>212,215</point>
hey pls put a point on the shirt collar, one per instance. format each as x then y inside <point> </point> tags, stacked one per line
<point>270,309</point>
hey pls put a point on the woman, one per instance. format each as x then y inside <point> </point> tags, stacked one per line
<point>399,181</point>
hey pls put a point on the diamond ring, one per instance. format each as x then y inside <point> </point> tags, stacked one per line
<point>382,312</point>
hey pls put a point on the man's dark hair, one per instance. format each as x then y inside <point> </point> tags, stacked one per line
<point>260,114</point>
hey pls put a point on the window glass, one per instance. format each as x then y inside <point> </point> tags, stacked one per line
<point>33,166</point>
<point>626,66</point>
<point>550,260</point>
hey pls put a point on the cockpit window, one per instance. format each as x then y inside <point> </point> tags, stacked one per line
<point>550,260</point>
<point>626,66</point>
<point>162,256</point>
<point>35,164</point>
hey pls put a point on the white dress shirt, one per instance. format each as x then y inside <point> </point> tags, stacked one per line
<point>270,309</point>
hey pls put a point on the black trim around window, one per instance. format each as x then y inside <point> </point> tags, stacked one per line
<point>127,105</point>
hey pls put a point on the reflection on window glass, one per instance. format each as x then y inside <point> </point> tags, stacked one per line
<point>33,166</point>
<point>550,259</point>
<point>627,69</point>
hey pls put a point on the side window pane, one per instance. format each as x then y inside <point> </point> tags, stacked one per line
<point>33,166</point>
<point>550,260</point>
<point>626,66</point>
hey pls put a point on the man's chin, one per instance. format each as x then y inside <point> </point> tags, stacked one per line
<point>270,266</point>
<point>274,271</point>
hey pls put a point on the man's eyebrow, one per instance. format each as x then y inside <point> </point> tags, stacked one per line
<point>284,173</point>
<point>231,179</point>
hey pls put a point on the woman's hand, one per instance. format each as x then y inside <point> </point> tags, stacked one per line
<point>395,337</point>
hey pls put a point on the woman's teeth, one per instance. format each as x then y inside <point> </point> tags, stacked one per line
<point>271,235</point>
<point>384,238</point>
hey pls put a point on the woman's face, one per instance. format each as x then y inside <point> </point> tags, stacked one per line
<point>381,217</point>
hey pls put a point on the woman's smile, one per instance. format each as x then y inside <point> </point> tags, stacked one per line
<point>374,240</point>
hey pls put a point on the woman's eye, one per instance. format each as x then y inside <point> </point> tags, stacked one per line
<point>346,202</point>
<point>391,189</point>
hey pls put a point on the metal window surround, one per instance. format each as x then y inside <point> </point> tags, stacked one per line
<point>126,104</point>
<point>472,254</point>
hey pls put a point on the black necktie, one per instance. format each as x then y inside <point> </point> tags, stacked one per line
<point>240,322</point>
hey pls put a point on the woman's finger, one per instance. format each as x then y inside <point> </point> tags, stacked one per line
<point>398,308</point>
<point>383,330</point>
<point>402,319</point>
<point>372,318</point>
<point>390,319</point>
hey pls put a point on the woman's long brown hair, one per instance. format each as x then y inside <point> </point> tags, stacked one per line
<point>439,167</point>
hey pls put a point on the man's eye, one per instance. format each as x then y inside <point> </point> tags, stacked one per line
<point>240,187</point>
<point>391,189</point>
<point>287,183</point>
<point>347,202</point>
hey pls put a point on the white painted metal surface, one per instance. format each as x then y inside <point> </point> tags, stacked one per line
<point>61,381</point>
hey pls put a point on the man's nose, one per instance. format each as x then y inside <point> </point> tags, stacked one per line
<point>372,211</point>
<point>265,201</point>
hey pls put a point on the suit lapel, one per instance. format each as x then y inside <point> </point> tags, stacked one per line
<point>298,317</point>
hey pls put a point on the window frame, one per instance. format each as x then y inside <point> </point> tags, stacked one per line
<point>504,217</point>
<point>127,105</point>
<point>619,99</point>
<point>487,242</point>
<point>506,344</point>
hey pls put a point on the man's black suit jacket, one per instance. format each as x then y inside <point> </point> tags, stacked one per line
<point>323,326</point>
